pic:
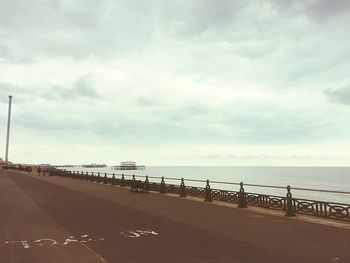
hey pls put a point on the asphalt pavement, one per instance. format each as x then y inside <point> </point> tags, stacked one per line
<point>55,219</point>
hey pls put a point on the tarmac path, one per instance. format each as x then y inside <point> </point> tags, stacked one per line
<point>54,219</point>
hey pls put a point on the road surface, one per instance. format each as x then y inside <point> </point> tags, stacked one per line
<point>55,219</point>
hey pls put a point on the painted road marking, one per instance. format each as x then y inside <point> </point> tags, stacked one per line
<point>138,233</point>
<point>24,243</point>
<point>49,242</point>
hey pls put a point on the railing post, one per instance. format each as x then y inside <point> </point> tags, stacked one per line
<point>105,179</point>
<point>183,191</point>
<point>98,177</point>
<point>162,186</point>
<point>113,179</point>
<point>290,210</point>
<point>92,177</point>
<point>87,176</point>
<point>133,184</point>
<point>122,181</point>
<point>207,193</point>
<point>146,185</point>
<point>242,201</point>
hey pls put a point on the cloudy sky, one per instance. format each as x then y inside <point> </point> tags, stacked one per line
<point>187,82</point>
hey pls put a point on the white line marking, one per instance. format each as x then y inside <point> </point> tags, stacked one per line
<point>94,252</point>
<point>39,242</point>
<point>70,240</point>
<point>138,233</point>
<point>24,243</point>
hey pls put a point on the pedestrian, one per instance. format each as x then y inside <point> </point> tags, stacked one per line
<point>39,170</point>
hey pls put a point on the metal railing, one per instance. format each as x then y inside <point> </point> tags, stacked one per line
<point>291,206</point>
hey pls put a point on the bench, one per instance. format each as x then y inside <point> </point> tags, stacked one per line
<point>137,186</point>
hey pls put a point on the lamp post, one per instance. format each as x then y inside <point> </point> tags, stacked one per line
<point>8,129</point>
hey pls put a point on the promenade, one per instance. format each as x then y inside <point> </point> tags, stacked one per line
<point>57,219</point>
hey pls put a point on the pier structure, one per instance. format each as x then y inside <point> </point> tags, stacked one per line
<point>125,167</point>
<point>128,165</point>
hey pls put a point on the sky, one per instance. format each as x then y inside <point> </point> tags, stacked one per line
<point>187,82</point>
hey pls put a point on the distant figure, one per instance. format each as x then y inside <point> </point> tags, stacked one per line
<point>39,170</point>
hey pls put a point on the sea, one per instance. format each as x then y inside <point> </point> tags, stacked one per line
<point>228,178</point>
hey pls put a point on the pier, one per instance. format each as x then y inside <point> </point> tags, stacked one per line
<point>128,167</point>
<point>58,219</point>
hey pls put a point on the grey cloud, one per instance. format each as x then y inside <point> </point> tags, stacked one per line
<point>271,129</point>
<point>147,102</point>
<point>5,54</point>
<point>324,9</point>
<point>76,29</point>
<point>83,87</point>
<point>188,113</point>
<point>8,55</point>
<point>199,19</point>
<point>82,29</point>
<point>271,124</point>
<point>340,95</point>
<point>40,123</point>
<point>105,29</point>
<point>20,94</point>
<point>317,10</point>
